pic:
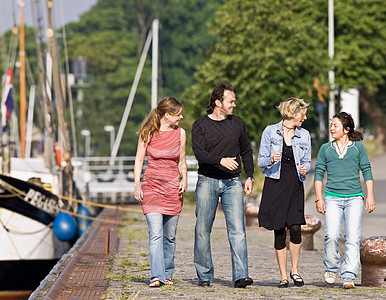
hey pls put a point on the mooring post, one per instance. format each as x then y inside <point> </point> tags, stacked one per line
<point>107,240</point>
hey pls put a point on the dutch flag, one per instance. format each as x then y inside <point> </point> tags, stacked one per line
<point>7,104</point>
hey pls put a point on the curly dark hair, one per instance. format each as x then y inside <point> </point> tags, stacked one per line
<point>218,94</point>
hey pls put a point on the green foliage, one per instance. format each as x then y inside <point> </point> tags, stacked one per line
<point>360,47</point>
<point>111,36</point>
<point>269,50</point>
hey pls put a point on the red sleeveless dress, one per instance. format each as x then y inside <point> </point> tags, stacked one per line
<point>161,180</point>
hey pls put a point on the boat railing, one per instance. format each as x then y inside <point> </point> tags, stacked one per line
<point>114,183</point>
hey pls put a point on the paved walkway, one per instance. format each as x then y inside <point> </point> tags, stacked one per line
<point>129,271</point>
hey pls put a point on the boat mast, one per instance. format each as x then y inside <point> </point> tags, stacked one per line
<point>151,36</point>
<point>43,96</point>
<point>22,81</point>
<point>59,99</point>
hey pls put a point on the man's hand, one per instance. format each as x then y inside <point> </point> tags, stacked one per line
<point>248,186</point>
<point>229,162</point>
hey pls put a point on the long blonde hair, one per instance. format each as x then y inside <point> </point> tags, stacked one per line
<point>152,122</point>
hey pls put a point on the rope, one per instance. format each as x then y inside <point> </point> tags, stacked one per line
<point>23,233</point>
<point>19,193</point>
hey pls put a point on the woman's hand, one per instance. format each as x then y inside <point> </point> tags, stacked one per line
<point>370,204</point>
<point>276,157</point>
<point>138,195</point>
<point>320,206</point>
<point>183,185</point>
<point>303,170</point>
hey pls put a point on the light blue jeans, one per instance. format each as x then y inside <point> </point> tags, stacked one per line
<point>351,209</point>
<point>162,244</point>
<point>208,192</point>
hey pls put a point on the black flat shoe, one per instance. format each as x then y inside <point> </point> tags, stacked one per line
<point>283,284</point>
<point>243,282</point>
<point>203,283</point>
<point>298,281</point>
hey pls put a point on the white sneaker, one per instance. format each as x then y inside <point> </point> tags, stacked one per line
<point>329,277</point>
<point>348,283</point>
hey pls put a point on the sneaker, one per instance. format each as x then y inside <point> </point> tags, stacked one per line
<point>329,277</point>
<point>348,283</point>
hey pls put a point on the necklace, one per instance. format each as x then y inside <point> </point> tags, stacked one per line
<point>341,152</point>
<point>289,128</point>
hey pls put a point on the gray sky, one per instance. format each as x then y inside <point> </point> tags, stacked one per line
<point>72,9</point>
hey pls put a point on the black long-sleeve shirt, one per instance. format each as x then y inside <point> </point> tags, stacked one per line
<point>212,140</point>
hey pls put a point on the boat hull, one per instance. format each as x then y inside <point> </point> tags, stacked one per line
<point>18,275</point>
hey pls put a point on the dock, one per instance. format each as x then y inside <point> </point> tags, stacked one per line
<point>122,270</point>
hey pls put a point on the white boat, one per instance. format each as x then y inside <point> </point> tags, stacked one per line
<point>28,248</point>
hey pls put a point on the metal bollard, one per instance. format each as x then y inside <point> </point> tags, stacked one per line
<point>107,245</point>
<point>313,224</point>
<point>251,210</point>
<point>373,259</point>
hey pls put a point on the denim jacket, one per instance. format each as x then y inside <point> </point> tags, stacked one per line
<point>272,141</point>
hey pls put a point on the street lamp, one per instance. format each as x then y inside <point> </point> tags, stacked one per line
<point>86,133</point>
<point>111,129</point>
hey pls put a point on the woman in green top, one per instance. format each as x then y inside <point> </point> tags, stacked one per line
<point>342,159</point>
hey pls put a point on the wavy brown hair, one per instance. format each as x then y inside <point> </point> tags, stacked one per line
<point>152,122</point>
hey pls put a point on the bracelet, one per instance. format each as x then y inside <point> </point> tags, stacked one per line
<point>317,200</point>
<point>250,178</point>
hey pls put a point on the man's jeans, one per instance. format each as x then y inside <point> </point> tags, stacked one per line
<point>351,209</point>
<point>162,244</point>
<point>208,192</point>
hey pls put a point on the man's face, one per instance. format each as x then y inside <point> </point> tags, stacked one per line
<point>228,103</point>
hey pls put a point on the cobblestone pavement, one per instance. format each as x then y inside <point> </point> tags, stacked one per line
<point>130,274</point>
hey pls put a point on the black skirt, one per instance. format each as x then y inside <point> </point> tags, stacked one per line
<point>282,200</point>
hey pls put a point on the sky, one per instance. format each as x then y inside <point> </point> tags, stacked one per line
<point>72,9</point>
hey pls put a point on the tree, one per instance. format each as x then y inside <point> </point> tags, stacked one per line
<point>360,55</point>
<point>111,35</point>
<point>269,50</point>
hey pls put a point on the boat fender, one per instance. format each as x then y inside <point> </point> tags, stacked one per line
<point>83,223</point>
<point>64,227</point>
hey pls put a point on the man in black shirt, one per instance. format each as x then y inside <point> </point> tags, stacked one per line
<point>218,140</point>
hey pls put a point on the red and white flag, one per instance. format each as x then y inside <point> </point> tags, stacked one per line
<point>7,104</point>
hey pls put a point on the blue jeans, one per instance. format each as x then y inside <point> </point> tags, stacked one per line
<point>208,192</point>
<point>162,244</point>
<point>351,209</point>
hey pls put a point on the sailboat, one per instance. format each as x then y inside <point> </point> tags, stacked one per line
<point>36,227</point>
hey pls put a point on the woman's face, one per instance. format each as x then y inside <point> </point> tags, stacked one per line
<point>173,120</point>
<point>299,119</point>
<point>336,129</point>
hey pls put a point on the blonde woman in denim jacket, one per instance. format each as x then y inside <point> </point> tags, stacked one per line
<point>285,155</point>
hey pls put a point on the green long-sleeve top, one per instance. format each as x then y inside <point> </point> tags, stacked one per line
<point>343,174</point>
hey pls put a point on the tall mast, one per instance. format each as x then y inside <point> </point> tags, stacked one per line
<point>59,99</point>
<point>22,81</point>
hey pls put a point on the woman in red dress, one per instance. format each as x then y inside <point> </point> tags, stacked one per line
<point>164,181</point>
